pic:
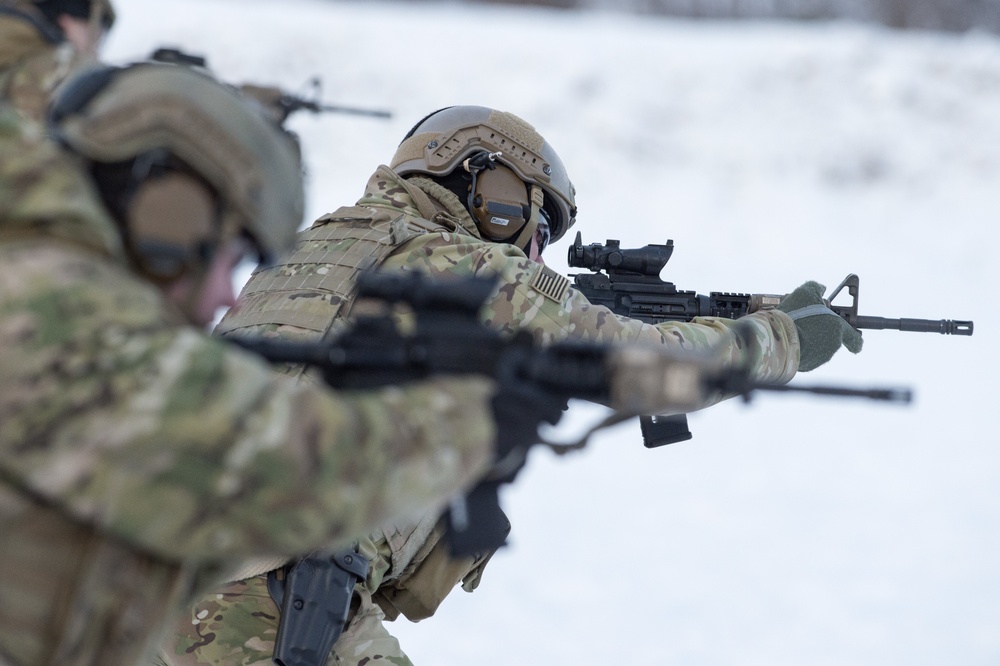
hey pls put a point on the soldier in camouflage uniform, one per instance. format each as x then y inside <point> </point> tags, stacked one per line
<point>42,42</point>
<point>470,191</point>
<point>137,453</point>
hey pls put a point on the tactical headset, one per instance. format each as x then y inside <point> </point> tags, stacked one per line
<point>169,215</point>
<point>183,162</point>
<point>170,219</point>
<point>504,206</point>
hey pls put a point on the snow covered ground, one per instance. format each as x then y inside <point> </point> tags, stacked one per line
<point>793,531</point>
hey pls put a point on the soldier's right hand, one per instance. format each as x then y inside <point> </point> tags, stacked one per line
<point>476,523</point>
<point>519,408</point>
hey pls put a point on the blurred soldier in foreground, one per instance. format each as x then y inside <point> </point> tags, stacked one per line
<point>470,191</point>
<point>42,42</point>
<point>136,452</point>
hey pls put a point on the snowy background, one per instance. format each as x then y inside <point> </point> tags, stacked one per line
<point>793,531</point>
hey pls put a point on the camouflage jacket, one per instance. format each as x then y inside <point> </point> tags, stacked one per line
<point>132,444</point>
<point>415,224</point>
<point>34,58</point>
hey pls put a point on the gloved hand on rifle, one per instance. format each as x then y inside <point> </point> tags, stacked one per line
<point>476,523</point>
<point>821,330</point>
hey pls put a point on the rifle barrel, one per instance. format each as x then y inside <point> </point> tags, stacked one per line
<point>942,326</point>
<point>355,111</point>
<point>904,396</point>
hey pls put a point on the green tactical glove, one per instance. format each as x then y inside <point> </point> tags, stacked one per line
<point>821,330</point>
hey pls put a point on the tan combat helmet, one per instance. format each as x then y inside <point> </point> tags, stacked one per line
<point>185,147</point>
<point>516,178</point>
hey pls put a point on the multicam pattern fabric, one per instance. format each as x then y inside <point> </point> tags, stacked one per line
<point>310,292</point>
<point>31,66</point>
<point>236,625</point>
<point>44,192</point>
<point>127,436</point>
<point>415,224</point>
<point>239,624</point>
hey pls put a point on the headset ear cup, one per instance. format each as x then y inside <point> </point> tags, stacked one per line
<point>169,221</point>
<point>499,203</point>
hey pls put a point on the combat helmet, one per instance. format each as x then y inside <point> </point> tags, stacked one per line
<point>513,179</point>
<point>183,162</point>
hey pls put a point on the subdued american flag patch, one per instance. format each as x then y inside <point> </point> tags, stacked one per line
<point>550,284</point>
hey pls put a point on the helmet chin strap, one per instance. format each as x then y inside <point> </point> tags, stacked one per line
<point>523,239</point>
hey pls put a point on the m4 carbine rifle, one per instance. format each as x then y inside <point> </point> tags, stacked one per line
<point>446,337</point>
<point>628,283</point>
